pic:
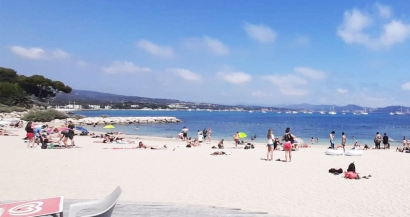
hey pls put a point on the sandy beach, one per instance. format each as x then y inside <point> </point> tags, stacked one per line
<point>182,175</point>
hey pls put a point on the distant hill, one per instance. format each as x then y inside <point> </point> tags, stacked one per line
<point>311,107</point>
<point>93,97</point>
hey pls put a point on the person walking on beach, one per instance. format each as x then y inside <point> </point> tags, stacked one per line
<point>184,133</point>
<point>377,140</point>
<point>270,137</point>
<point>332,139</point>
<point>236,139</point>
<point>29,135</point>
<point>386,141</point>
<point>343,141</point>
<point>288,138</point>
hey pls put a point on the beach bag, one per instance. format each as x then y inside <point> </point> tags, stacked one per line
<point>247,147</point>
<point>188,146</point>
<point>252,146</point>
<point>351,168</point>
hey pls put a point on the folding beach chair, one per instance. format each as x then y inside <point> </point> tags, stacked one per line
<point>104,207</point>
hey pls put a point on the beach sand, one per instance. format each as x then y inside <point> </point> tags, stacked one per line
<point>192,176</point>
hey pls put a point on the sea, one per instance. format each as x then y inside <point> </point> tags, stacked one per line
<point>225,124</point>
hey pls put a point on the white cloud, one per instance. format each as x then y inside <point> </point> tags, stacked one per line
<point>406,86</point>
<point>258,93</point>
<point>342,91</point>
<point>155,49</point>
<point>124,67</point>
<point>36,53</point>
<point>384,11</point>
<point>185,74</point>
<point>207,43</point>
<point>260,33</point>
<point>289,84</point>
<point>216,46</point>
<point>311,73</point>
<point>355,22</point>
<point>235,77</point>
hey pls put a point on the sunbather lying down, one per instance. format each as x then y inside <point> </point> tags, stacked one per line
<point>221,153</point>
<point>141,145</point>
<point>4,133</point>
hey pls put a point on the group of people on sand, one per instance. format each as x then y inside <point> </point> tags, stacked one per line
<point>42,134</point>
<point>273,144</point>
<point>378,140</point>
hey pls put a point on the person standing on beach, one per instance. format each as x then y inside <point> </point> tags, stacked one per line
<point>377,140</point>
<point>343,141</point>
<point>209,136</point>
<point>29,135</point>
<point>184,133</point>
<point>386,141</point>
<point>311,141</point>
<point>236,139</point>
<point>270,137</point>
<point>288,138</point>
<point>205,133</point>
<point>332,139</point>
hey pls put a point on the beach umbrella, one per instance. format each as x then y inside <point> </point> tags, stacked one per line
<point>242,135</point>
<point>109,127</point>
<point>82,129</point>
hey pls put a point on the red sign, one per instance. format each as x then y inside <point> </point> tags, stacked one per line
<point>32,208</point>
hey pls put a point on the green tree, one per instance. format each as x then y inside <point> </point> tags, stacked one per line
<point>42,88</point>
<point>8,75</point>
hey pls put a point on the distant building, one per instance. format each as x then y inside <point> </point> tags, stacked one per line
<point>94,106</point>
<point>107,107</point>
<point>135,106</point>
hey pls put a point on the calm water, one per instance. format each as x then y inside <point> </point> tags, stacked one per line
<point>305,126</point>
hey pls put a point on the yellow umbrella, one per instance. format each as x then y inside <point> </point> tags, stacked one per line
<point>242,135</point>
<point>109,127</point>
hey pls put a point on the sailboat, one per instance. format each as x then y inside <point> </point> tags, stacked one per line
<point>364,112</point>
<point>399,112</point>
<point>391,113</point>
<point>332,112</point>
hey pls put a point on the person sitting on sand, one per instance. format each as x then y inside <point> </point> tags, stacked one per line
<point>221,144</point>
<point>402,149</point>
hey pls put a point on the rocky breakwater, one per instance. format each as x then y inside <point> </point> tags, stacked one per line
<point>120,120</point>
<point>12,115</point>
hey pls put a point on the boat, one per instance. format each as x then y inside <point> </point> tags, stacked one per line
<point>364,112</point>
<point>332,112</point>
<point>294,112</point>
<point>391,113</point>
<point>399,112</point>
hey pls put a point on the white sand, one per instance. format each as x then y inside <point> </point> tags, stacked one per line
<point>192,176</point>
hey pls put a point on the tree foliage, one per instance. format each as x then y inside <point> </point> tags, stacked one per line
<point>17,89</point>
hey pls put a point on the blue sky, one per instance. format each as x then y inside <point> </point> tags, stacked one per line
<point>229,52</point>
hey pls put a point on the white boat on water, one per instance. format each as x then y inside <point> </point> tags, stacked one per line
<point>399,112</point>
<point>391,113</point>
<point>322,112</point>
<point>294,112</point>
<point>332,112</point>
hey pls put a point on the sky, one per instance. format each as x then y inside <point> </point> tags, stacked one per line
<point>268,53</point>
